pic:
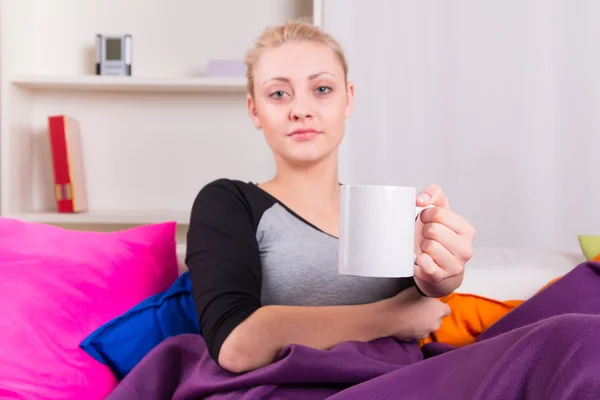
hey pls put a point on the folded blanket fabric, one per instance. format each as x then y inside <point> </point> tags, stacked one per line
<point>471,315</point>
<point>548,347</point>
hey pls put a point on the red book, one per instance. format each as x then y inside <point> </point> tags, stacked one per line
<point>67,162</point>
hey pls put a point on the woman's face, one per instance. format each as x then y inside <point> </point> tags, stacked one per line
<point>301,101</point>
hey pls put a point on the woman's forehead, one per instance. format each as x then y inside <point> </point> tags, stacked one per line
<point>293,61</point>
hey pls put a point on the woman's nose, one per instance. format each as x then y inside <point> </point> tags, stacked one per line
<point>301,109</point>
<point>299,114</point>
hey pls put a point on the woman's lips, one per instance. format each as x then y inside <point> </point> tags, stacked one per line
<point>302,135</point>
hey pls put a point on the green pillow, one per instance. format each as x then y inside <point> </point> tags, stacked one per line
<point>590,245</point>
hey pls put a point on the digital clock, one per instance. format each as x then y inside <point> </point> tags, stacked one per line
<point>113,54</point>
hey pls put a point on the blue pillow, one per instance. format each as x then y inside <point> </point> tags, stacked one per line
<point>122,342</point>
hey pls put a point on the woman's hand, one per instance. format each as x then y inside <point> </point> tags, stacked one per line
<point>444,243</point>
<point>410,316</point>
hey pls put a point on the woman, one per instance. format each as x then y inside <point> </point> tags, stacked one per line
<point>263,257</point>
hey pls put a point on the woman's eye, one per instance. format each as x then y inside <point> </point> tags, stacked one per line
<point>278,94</point>
<point>323,89</point>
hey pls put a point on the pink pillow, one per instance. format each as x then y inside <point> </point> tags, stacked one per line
<point>56,287</point>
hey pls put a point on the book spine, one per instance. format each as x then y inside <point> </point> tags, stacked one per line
<point>60,162</point>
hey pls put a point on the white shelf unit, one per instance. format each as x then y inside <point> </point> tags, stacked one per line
<point>151,140</point>
<point>126,84</point>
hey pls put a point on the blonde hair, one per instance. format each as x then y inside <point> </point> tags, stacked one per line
<point>294,30</point>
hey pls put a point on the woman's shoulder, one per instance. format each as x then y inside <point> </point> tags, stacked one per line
<point>232,197</point>
<point>224,189</point>
<point>226,186</point>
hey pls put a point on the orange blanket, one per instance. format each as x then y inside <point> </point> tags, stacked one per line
<point>471,315</point>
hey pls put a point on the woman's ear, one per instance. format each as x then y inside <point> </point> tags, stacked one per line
<point>252,112</point>
<point>349,99</point>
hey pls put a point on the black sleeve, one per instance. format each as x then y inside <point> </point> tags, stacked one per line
<point>223,260</point>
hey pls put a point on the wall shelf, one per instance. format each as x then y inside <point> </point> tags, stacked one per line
<point>131,84</point>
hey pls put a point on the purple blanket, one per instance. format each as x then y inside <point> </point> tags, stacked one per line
<point>548,348</point>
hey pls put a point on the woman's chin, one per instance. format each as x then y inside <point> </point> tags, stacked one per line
<point>306,157</point>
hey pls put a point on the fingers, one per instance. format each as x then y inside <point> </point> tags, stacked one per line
<point>445,240</point>
<point>458,246</point>
<point>432,194</point>
<point>428,270</point>
<point>441,257</point>
<point>450,219</point>
<point>446,310</point>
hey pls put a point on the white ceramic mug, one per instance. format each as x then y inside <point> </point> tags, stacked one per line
<point>377,231</point>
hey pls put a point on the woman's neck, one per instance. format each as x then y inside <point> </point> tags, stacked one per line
<point>317,185</point>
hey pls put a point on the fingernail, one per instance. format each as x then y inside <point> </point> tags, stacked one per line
<point>424,197</point>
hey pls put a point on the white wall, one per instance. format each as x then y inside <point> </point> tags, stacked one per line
<point>496,101</point>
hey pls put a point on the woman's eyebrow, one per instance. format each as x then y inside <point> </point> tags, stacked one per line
<point>313,76</point>
<point>287,80</point>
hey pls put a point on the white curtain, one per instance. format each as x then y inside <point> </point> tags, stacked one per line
<point>497,101</point>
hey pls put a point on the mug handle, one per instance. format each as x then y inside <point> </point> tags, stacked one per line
<point>418,211</point>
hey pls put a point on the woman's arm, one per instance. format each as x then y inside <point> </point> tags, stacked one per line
<point>259,339</point>
<point>223,260</point>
